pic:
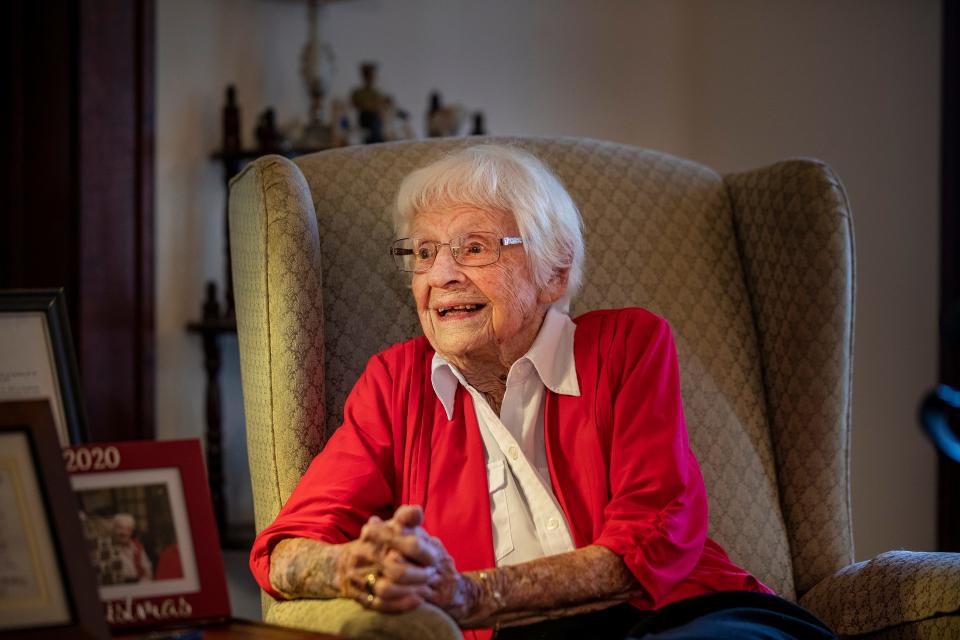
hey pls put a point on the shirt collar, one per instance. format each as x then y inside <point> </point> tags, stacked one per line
<point>551,355</point>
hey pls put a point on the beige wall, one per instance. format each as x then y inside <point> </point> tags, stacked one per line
<point>733,84</point>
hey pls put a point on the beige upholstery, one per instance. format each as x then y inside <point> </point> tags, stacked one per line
<point>754,271</point>
<point>348,618</point>
<point>894,587</point>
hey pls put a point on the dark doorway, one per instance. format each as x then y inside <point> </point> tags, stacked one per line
<point>78,130</point>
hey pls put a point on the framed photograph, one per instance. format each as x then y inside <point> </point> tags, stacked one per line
<point>147,520</point>
<point>47,587</point>
<point>37,360</point>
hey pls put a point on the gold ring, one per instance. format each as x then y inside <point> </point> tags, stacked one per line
<point>369,598</point>
<point>368,583</point>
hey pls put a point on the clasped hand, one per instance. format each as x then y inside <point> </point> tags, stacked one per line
<point>395,565</point>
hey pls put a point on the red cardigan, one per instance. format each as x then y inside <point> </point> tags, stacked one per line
<point>620,463</point>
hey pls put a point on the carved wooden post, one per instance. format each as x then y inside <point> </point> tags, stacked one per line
<point>210,328</point>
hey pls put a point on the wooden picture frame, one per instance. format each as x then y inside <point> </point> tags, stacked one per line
<point>48,586</point>
<point>37,359</point>
<point>148,522</point>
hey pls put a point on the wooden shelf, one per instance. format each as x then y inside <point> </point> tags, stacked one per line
<point>215,326</point>
<point>252,154</point>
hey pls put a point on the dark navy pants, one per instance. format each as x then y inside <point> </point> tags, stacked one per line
<point>733,615</point>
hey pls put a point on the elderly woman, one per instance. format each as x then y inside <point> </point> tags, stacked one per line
<point>514,466</point>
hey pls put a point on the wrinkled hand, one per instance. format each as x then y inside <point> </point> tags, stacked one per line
<point>374,569</point>
<point>416,548</point>
<point>452,591</point>
<point>407,566</point>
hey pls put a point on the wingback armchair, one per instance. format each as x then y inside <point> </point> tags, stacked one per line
<point>755,273</point>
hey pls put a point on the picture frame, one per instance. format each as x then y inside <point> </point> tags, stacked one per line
<point>37,359</point>
<point>147,519</point>
<point>47,586</point>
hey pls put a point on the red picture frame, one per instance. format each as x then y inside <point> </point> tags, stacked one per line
<point>150,531</point>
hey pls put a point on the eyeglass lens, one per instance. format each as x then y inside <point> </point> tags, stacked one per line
<point>474,249</point>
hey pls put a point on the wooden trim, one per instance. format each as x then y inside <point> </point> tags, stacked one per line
<point>145,263</point>
<point>948,491</point>
<point>116,211</point>
<point>78,132</point>
<point>11,133</point>
<point>39,239</point>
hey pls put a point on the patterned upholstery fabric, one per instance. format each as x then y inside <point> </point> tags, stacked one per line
<point>937,628</point>
<point>349,619</point>
<point>276,264</point>
<point>894,587</point>
<point>753,272</point>
<point>793,222</point>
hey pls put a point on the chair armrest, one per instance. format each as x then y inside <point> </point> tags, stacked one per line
<point>349,619</point>
<point>893,588</point>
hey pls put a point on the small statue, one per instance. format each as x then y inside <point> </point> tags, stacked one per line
<point>396,122</point>
<point>369,102</point>
<point>269,137</point>
<point>231,122</point>
<point>479,126</point>
<point>316,67</point>
<point>341,130</point>
<point>432,110</point>
<point>443,121</point>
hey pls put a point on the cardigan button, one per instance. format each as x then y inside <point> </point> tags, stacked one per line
<point>513,452</point>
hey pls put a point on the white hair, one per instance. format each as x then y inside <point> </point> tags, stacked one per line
<point>125,519</point>
<point>508,179</point>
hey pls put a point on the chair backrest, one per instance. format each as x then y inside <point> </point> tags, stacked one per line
<point>753,271</point>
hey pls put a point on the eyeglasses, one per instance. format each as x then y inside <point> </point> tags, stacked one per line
<point>475,249</point>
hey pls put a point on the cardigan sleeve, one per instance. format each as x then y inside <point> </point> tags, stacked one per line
<point>349,481</point>
<point>656,519</point>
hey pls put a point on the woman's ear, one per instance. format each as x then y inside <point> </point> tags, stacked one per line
<point>556,287</point>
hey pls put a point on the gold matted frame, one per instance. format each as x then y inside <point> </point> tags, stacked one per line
<point>50,587</point>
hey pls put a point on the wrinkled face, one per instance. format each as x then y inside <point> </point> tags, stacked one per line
<point>486,313</point>
<point>122,532</point>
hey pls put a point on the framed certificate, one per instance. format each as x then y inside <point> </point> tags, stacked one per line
<point>147,519</point>
<point>47,587</point>
<point>37,361</point>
